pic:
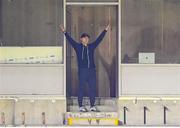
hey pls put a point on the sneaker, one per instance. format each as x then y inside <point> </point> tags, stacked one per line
<point>94,109</point>
<point>82,109</point>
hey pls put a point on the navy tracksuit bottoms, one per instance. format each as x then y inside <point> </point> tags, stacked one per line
<point>87,75</point>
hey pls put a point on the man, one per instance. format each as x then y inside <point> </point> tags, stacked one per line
<point>86,67</point>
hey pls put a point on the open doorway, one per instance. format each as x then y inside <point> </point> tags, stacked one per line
<point>93,20</point>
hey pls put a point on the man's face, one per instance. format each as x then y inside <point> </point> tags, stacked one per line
<point>84,40</point>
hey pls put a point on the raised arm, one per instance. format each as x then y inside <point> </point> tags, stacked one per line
<point>68,37</point>
<point>100,37</point>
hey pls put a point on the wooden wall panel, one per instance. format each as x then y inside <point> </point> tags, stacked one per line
<point>151,26</point>
<point>141,27</point>
<point>32,22</point>
<point>171,35</point>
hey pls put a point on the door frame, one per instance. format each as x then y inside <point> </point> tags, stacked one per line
<point>118,4</point>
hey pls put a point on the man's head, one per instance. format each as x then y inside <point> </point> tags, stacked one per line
<point>84,38</point>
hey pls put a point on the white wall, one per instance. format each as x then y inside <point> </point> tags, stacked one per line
<point>31,79</point>
<point>148,79</point>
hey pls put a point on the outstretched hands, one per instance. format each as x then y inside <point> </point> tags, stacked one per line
<point>62,29</point>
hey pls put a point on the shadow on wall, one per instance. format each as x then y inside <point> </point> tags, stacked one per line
<point>111,70</point>
<point>139,40</point>
<point>151,39</point>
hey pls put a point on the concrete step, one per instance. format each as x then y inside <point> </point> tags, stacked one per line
<point>99,101</point>
<point>92,118</point>
<point>101,108</point>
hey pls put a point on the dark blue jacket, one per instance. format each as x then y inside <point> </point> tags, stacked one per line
<point>85,54</point>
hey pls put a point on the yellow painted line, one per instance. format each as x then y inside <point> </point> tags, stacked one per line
<point>70,120</point>
<point>93,118</point>
<point>116,122</point>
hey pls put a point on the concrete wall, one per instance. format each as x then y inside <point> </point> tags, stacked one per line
<point>54,111</point>
<point>154,113</point>
<point>7,107</point>
<point>13,111</point>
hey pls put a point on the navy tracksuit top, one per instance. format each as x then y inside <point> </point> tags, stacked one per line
<point>85,54</point>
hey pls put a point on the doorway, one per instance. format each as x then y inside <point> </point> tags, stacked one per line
<point>93,19</point>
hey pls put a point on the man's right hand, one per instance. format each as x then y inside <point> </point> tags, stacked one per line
<point>62,29</point>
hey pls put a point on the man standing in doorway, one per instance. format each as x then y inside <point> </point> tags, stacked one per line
<point>86,67</point>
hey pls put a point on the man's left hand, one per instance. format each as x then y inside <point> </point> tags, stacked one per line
<point>107,27</point>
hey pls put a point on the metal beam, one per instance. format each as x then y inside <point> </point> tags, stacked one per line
<point>92,3</point>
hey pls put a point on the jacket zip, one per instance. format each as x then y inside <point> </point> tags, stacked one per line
<point>88,57</point>
<point>83,53</point>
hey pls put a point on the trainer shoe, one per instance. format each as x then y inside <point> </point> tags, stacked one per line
<point>82,109</point>
<point>94,109</point>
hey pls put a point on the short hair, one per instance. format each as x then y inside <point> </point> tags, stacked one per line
<point>85,35</point>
